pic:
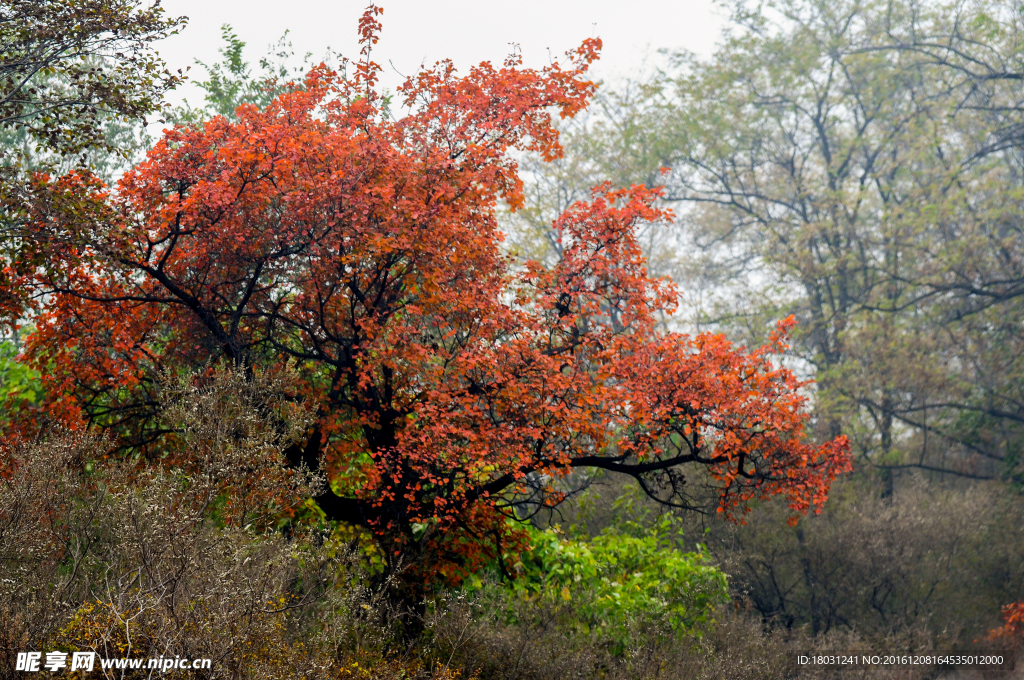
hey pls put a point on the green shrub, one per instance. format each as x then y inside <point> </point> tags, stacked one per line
<point>622,580</point>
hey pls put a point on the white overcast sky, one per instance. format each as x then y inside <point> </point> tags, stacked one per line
<point>466,31</point>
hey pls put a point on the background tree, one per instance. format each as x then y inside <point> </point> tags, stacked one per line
<point>66,64</point>
<point>231,82</point>
<point>854,164</point>
<point>76,78</point>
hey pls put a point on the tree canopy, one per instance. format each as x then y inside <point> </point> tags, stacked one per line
<point>450,385</point>
<point>67,63</point>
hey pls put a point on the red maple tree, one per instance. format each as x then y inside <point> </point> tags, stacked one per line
<point>363,249</point>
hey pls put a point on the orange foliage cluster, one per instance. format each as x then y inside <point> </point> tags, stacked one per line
<point>1013,624</point>
<point>364,249</point>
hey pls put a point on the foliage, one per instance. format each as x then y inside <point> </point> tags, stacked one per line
<point>544,643</point>
<point>19,384</point>
<point>125,142</point>
<point>629,577</point>
<point>856,164</point>
<point>1013,624</point>
<point>924,557</point>
<point>66,63</point>
<point>116,558</point>
<point>177,558</point>
<point>450,386</point>
<point>231,83</point>
<point>77,77</point>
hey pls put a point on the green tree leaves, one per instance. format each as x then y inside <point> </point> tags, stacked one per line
<point>618,580</point>
<point>68,63</point>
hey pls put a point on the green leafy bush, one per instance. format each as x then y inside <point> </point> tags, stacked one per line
<point>19,384</point>
<point>623,579</point>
